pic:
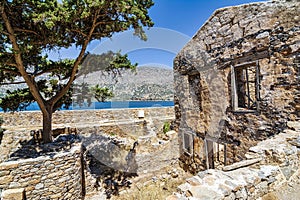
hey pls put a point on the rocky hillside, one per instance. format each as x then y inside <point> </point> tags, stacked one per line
<point>147,83</point>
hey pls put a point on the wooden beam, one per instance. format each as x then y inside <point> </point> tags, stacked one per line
<point>245,64</point>
<point>210,148</point>
<point>225,154</point>
<point>257,78</point>
<point>248,59</point>
<point>248,88</point>
<point>234,99</point>
<point>241,164</point>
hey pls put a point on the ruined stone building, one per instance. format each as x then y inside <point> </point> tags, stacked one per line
<point>237,82</point>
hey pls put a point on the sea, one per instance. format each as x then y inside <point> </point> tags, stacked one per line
<point>109,105</point>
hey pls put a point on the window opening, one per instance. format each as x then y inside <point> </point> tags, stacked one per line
<point>187,143</point>
<point>245,86</point>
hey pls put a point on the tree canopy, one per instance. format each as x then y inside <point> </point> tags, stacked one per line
<point>31,29</point>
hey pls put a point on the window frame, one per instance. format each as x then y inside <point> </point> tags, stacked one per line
<point>234,87</point>
<point>188,146</point>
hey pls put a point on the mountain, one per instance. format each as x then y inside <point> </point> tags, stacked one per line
<point>147,83</point>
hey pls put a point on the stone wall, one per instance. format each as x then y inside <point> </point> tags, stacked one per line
<point>82,118</point>
<point>56,176</point>
<point>107,138</point>
<point>279,166</point>
<point>113,122</point>
<point>260,37</point>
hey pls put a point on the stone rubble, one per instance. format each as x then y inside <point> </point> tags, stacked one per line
<point>280,165</point>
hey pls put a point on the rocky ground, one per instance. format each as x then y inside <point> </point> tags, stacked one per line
<point>156,185</point>
<point>275,174</point>
<point>161,181</point>
<point>288,192</point>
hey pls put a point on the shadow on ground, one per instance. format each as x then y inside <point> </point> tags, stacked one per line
<point>31,149</point>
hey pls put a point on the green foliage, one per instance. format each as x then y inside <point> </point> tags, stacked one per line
<point>43,26</point>
<point>108,63</point>
<point>16,100</point>
<point>20,99</point>
<point>101,93</point>
<point>32,29</point>
<point>166,127</point>
<point>83,93</point>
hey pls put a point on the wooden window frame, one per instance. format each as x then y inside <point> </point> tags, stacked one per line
<point>234,87</point>
<point>187,145</point>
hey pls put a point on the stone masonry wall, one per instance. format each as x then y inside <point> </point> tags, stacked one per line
<point>114,122</point>
<point>278,167</point>
<point>47,177</point>
<point>265,35</point>
<point>82,118</point>
<point>93,126</point>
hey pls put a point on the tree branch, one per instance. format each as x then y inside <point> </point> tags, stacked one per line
<point>4,32</point>
<point>81,33</point>
<point>64,90</point>
<point>11,71</point>
<point>13,83</point>
<point>43,72</point>
<point>25,30</point>
<point>17,54</point>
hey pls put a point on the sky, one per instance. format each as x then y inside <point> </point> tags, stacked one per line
<point>175,22</point>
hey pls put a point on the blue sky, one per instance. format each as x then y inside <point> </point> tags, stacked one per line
<point>184,16</point>
<point>180,18</point>
<point>187,16</point>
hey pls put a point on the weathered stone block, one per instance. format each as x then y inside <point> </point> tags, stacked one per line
<point>13,194</point>
<point>14,185</point>
<point>33,182</point>
<point>6,179</point>
<point>39,186</point>
<point>4,173</point>
<point>202,192</point>
<point>8,165</point>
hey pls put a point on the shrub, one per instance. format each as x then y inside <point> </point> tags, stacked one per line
<point>166,127</point>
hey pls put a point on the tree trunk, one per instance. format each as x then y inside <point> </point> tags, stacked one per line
<point>47,126</point>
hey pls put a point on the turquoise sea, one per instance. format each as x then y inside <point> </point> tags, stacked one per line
<point>111,105</point>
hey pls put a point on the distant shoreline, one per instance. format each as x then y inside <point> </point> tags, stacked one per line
<point>110,105</point>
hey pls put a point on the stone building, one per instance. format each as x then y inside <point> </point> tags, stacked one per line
<point>237,82</point>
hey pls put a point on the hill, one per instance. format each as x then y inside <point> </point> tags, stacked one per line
<point>147,83</point>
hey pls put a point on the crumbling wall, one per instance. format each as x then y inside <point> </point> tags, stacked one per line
<point>114,122</point>
<point>54,176</point>
<point>262,35</point>
<point>277,168</point>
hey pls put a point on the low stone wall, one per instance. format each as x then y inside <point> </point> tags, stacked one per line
<point>114,122</point>
<point>57,176</point>
<point>278,167</point>
<point>80,118</point>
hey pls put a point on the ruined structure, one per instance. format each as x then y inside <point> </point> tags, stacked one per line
<point>107,146</point>
<point>237,82</point>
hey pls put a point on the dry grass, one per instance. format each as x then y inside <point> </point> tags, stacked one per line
<point>146,189</point>
<point>150,191</point>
